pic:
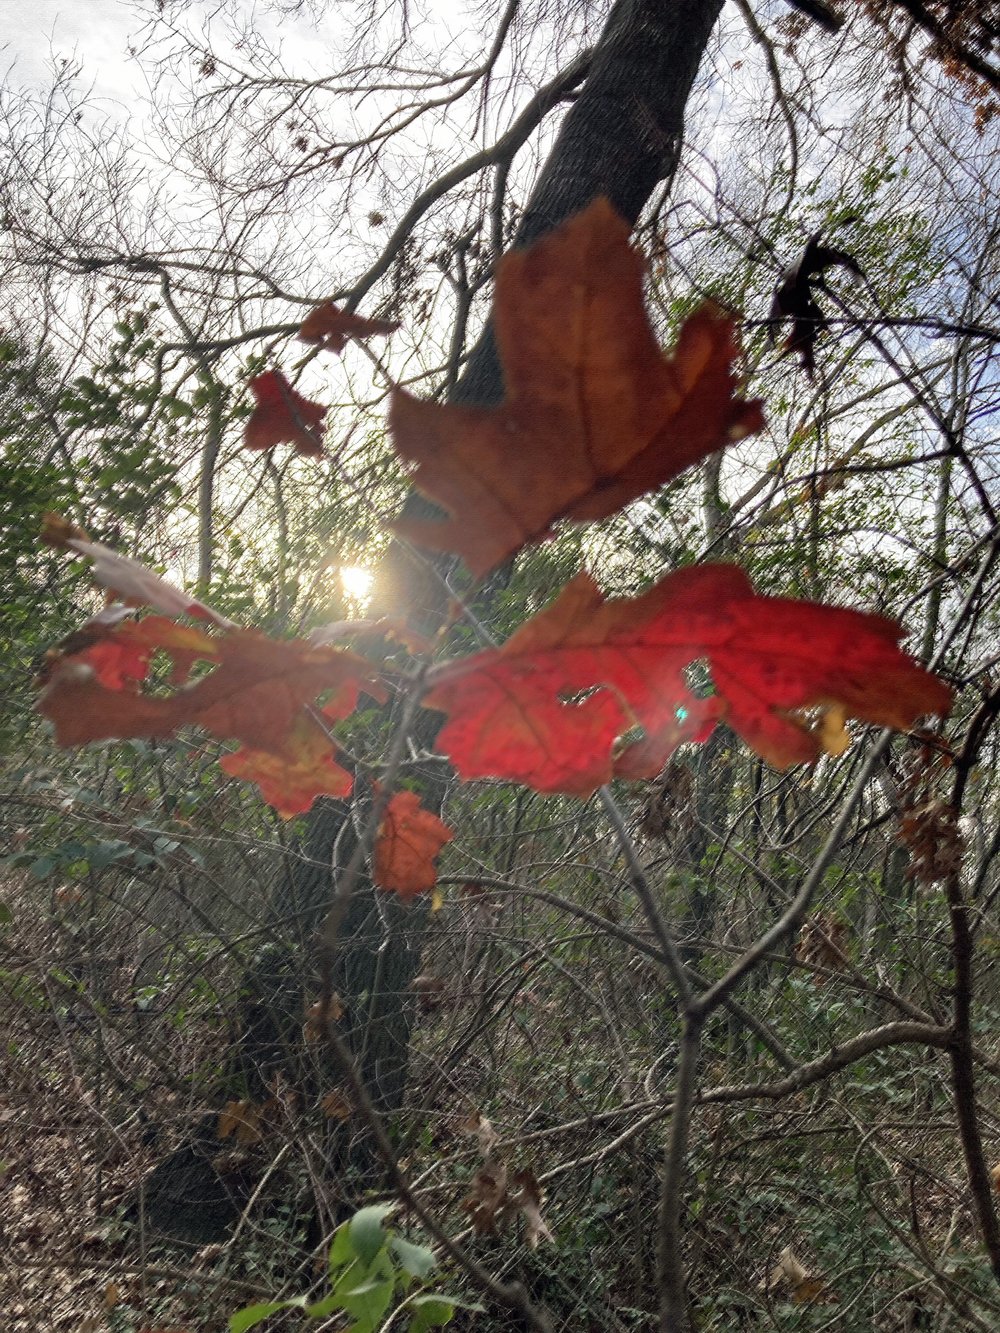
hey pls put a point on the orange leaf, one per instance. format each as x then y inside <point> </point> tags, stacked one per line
<point>409,839</point>
<point>241,1119</point>
<point>553,707</point>
<point>283,416</point>
<point>595,414</point>
<point>255,693</point>
<point>486,1200</point>
<point>496,1197</point>
<point>330,327</point>
<point>290,785</point>
<point>791,1273</point>
<point>318,1015</point>
<point>528,1202</point>
<point>121,657</point>
<point>117,663</point>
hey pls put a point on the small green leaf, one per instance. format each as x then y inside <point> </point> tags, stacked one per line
<point>251,1315</point>
<point>320,1309</point>
<point>367,1232</point>
<point>417,1260</point>
<point>6,915</point>
<point>430,1312</point>
<point>341,1248</point>
<point>368,1303</point>
<point>102,854</point>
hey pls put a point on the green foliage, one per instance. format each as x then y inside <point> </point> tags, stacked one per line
<point>34,477</point>
<point>369,1267</point>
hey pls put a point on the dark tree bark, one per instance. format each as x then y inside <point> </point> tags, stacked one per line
<point>621,138</point>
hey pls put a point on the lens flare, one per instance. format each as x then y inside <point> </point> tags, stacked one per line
<point>356,582</point>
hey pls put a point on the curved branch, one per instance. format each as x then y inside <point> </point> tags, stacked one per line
<point>500,153</point>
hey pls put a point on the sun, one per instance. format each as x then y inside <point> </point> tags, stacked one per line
<point>356,582</point>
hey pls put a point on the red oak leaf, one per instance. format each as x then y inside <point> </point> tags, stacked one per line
<point>254,693</point>
<point>116,664</point>
<point>409,838</point>
<point>108,659</point>
<point>330,327</point>
<point>554,706</point>
<point>595,414</point>
<point>283,416</point>
<point>290,784</point>
<point>121,658</point>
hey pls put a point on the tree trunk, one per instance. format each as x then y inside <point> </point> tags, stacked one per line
<point>621,137</point>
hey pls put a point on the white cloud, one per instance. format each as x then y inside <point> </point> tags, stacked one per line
<point>93,33</point>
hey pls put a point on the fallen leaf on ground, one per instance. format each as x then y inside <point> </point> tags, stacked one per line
<point>429,990</point>
<point>789,1272</point>
<point>318,1015</point>
<point>241,1120</point>
<point>595,414</point>
<point>335,1106</point>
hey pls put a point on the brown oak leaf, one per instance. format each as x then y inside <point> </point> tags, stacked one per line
<point>595,414</point>
<point>330,327</point>
<point>258,692</point>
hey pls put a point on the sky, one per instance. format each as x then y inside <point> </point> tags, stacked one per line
<point>34,33</point>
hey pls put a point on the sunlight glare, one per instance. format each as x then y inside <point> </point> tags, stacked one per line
<point>356,582</point>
